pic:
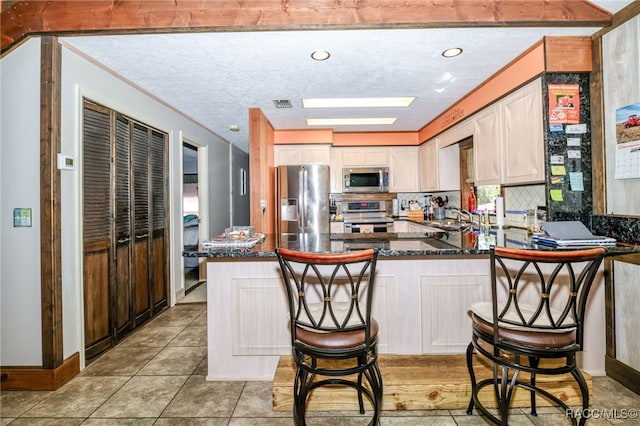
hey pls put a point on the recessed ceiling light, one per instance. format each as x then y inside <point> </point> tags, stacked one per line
<point>356,102</point>
<point>349,121</point>
<point>320,55</point>
<point>450,53</point>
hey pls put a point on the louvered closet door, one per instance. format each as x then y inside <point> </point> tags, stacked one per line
<point>122,309</point>
<point>96,177</point>
<point>141,223</point>
<point>158,196</point>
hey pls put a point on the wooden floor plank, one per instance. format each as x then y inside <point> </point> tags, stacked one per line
<point>418,382</point>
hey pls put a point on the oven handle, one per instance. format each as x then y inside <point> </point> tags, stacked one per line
<point>350,227</point>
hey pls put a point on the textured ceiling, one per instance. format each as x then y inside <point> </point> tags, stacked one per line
<point>214,78</point>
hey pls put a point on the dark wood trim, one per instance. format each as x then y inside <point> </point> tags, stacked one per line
<point>609,309</point>
<point>622,373</point>
<point>25,18</point>
<point>39,379</point>
<point>50,228</point>
<point>598,145</point>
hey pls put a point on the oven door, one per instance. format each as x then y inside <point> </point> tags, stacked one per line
<point>368,227</point>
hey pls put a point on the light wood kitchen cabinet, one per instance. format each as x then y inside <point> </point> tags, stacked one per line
<point>336,227</point>
<point>335,171</point>
<point>523,143</point>
<point>365,156</point>
<point>508,139</point>
<point>439,167</point>
<point>487,146</point>
<point>288,155</point>
<point>403,169</point>
<point>428,153</point>
<point>400,226</point>
<point>446,299</point>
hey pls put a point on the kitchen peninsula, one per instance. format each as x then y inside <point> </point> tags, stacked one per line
<point>424,284</point>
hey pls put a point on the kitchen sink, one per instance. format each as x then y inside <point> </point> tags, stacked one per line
<point>449,225</point>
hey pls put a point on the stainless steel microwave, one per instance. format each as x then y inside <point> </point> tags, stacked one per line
<point>365,179</point>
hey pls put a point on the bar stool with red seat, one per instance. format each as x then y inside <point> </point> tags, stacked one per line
<point>333,334</point>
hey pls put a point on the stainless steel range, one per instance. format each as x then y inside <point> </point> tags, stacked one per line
<point>366,217</point>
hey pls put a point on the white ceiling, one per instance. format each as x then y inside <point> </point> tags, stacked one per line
<point>214,78</point>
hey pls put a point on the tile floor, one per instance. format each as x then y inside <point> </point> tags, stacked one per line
<point>156,376</point>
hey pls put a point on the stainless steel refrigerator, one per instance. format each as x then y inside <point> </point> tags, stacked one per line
<point>302,194</point>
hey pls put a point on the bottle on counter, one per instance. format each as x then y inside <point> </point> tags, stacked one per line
<point>471,200</point>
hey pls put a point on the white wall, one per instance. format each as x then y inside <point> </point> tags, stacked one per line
<point>20,341</point>
<point>621,81</point>
<point>20,308</point>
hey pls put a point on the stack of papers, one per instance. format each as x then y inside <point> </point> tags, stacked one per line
<point>571,233</point>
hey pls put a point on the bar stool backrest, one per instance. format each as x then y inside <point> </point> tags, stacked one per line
<point>543,291</point>
<point>329,292</point>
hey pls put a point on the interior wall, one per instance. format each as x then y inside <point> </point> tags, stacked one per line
<point>240,203</point>
<point>82,78</point>
<point>20,309</point>
<point>621,69</point>
<point>20,340</point>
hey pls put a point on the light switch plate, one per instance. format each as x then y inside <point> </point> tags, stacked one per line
<point>66,162</point>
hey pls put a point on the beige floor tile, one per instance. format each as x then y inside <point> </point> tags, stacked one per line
<point>418,421</point>
<point>201,398</point>
<point>175,361</point>
<point>152,336</point>
<point>203,368</point>
<point>193,335</point>
<point>141,396</point>
<point>120,422</point>
<point>256,401</point>
<point>200,319</point>
<point>121,361</point>
<point>46,422</point>
<point>14,403</point>
<point>176,421</point>
<point>248,421</point>
<point>179,315</point>
<point>78,398</point>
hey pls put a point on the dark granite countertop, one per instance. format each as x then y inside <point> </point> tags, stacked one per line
<point>417,244</point>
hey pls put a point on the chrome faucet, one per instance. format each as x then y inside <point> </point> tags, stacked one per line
<point>466,214</point>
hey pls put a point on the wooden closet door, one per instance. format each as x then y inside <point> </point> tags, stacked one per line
<point>141,224</point>
<point>159,208</point>
<point>96,181</point>
<point>122,289</point>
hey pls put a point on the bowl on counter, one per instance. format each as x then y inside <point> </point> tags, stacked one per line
<point>239,232</point>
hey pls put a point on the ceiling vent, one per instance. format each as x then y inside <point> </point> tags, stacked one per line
<point>283,103</point>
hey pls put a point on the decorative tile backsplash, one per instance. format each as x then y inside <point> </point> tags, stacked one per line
<point>517,200</point>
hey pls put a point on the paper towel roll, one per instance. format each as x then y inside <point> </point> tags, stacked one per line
<point>500,211</point>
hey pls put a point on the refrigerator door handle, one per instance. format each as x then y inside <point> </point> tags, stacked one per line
<point>302,179</point>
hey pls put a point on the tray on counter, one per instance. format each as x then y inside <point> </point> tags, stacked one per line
<point>223,242</point>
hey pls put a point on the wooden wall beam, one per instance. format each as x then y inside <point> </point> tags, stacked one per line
<point>50,215</point>
<point>23,18</point>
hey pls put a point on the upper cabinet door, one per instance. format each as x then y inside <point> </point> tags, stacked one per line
<point>523,146</point>
<point>293,155</point>
<point>365,156</point>
<point>429,165</point>
<point>403,169</point>
<point>487,146</point>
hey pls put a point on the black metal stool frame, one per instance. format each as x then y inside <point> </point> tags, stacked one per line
<point>326,334</point>
<point>512,336</point>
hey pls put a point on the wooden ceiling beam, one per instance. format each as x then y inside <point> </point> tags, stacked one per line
<point>20,19</point>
